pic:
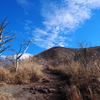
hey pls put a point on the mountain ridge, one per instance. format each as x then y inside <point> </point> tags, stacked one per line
<point>65,55</point>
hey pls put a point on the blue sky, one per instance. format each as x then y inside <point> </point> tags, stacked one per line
<point>52,22</point>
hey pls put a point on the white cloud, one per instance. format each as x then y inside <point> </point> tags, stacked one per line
<point>27,28</point>
<point>25,3</point>
<point>27,25</point>
<point>88,3</point>
<point>62,18</point>
<point>22,1</point>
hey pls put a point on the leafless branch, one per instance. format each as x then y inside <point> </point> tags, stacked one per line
<point>4,39</point>
<point>25,45</point>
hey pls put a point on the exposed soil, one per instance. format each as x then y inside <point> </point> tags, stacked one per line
<point>49,88</point>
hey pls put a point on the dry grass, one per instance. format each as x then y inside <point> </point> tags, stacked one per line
<point>83,82</point>
<point>3,84</point>
<point>6,96</point>
<point>28,72</point>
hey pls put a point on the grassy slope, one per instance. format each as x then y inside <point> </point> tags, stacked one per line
<point>79,68</point>
<point>28,72</point>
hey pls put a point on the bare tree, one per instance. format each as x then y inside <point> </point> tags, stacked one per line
<point>84,54</point>
<point>10,59</point>
<point>14,59</point>
<point>4,38</point>
<point>23,48</point>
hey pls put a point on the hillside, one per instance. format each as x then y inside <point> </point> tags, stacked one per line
<point>58,73</point>
<point>62,55</point>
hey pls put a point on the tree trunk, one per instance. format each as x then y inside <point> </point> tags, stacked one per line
<point>17,63</point>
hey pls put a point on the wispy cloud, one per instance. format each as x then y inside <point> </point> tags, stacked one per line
<point>27,25</point>
<point>25,3</point>
<point>60,19</point>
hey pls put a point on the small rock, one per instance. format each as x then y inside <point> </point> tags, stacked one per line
<point>28,88</point>
<point>45,80</point>
<point>24,89</point>
<point>52,90</point>
<point>30,91</point>
<point>42,90</point>
<point>31,88</point>
<point>33,92</point>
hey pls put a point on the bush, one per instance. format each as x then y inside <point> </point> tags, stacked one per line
<point>6,96</point>
<point>25,74</point>
<point>83,83</point>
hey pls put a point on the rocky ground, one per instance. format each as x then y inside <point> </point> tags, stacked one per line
<point>49,88</point>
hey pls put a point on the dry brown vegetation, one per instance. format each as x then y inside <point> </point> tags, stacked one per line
<point>82,83</point>
<point>28,72</point>
<point>6,96</point>
<point>80,72</point>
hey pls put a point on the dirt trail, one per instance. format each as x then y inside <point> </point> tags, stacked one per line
<point>55,83</point>
<point>50,88</point>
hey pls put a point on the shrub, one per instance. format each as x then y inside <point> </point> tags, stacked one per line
<point>83,83</point>
<point>6,96</point>
<point>25,74</point>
